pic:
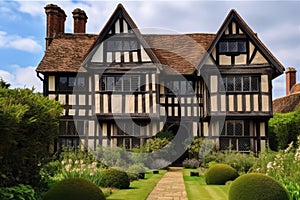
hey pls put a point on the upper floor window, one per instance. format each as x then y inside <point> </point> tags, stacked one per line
<point>240,83</point>
<point>179,87</point>
<point>122,45</point>
<point>66,83</point>
<point>239,46</point>
<point>122,83</point>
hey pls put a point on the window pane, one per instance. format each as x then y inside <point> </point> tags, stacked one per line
<point>126,45</point>
<point>133,45</point>
<point>102,83</point>
<point>134,83</point>
<point>238,83</point>
<point>242,46</point>
<point>254,83</point>
<point>183,87</point>
<point>244,144</point>
<point>246,128</point>
<point>118,45</point>
<point>71,83</point>
<point>246,84</point>
<point>176,86</point>
<point>126,83</point>
<point>80,83</point>
<point>230,84</point>
<point>63,83</point>
<point>233,144</point>
<point>238,128</point>
<point>80,127</point>
<point>233,47</point>
<point>71,128</point>
<point>110,45</point>
<point>110,83</point>
<point>230,128</point>
<point>190,87</point>
<point>62,127</point>
<point>223,47</point>
<point>224,144</point>
<point>118,83</point>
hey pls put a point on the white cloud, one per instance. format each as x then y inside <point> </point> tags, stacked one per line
<point>19,43</point>
<point>22,77</point>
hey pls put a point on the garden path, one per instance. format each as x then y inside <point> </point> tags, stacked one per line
<point>170,187</point>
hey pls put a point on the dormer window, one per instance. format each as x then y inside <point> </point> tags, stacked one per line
<point>237,46</point>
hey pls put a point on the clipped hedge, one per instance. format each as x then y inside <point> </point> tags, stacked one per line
<point>74,189</point>
<point>255,186</point>
<point>114,178</point>
<point>219,174</point>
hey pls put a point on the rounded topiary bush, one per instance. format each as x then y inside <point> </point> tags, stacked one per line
<point>114,178</point>
<point>256,186</point>
<point>219,174</point>
<point>74,189</point>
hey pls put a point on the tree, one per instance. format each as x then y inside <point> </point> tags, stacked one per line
<point>283,129</point>
<point>28,125</point>
<point>4,84</point>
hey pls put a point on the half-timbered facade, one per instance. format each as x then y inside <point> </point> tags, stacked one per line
<point>121,87</point>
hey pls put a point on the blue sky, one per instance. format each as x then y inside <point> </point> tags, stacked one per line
<point>22,28</point>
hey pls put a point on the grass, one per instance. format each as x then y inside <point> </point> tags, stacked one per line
<point>197,189</point>
<point>138,190</point>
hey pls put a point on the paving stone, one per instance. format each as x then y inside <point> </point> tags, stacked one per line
<point>170,187</point>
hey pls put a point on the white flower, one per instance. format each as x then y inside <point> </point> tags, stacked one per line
<point>81,161</point>
<point>76,162</point>
<point>269,165</point>
<point>63,162</point>
<point>68,167</point>
<point>70,161</point>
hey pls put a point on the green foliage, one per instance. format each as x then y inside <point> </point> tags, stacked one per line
<point>136,171</point>
<point>18,192</point>
<point>240,161</point>
<point>154,144</point>
<point>283,166</point>
<point>284,128</point>
<point>114,178</point>
<point>4,84</point>
<point>112,156</point>
<point>165,134</point>
<point>28,125</point>
<point>74,189</point>
<point>191,163</point>
<point>219,174</point>
<point>199,147</point>
<point>256,186</point>
<point>72,163</point>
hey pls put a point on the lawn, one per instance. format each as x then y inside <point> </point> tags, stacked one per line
<point>197,189</point>
<point>139,190</point>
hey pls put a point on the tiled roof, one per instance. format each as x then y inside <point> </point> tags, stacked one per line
<point>66,53</point>
<point>287,103</point>
<point>180,52</point>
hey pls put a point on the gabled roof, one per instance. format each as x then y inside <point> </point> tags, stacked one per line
<point>67,51</point>
<point>120,12</point>
<point>233,15</point>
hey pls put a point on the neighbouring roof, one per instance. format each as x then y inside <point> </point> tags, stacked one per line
<point>287,103</point>
<point>67,51</point>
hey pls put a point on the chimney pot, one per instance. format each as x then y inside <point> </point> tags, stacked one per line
<point>290,79</point>
<point>56,18</point>
<point>80,20</point>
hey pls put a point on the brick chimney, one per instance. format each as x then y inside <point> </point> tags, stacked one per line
<point>56,18</point>
<point>290,79</point>
<point>80,20</point>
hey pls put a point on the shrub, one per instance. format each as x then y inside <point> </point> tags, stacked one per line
<point>74,189</point>
<point>191,163</point>
<point>159,163</point>
<point>136,171</point>
<point>219,174</point>
<point>19,192</point>
<point>114,178</point>
<point>256,186</point>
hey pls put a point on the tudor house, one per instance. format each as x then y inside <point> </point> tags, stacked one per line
<point>121,87</point>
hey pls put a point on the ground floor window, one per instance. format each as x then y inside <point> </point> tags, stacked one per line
<point>236,136</point>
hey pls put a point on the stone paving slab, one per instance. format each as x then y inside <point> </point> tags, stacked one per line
<point>170,187</point>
